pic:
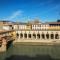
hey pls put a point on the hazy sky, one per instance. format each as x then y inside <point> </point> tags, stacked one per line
<point>24,10</point>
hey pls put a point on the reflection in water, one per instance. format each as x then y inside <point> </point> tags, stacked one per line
<point>37,57</point>
<point>31,52</point>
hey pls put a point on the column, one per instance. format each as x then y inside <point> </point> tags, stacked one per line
<point>40,36</point>
<point>27,36</point>
<point>50,36</point>
<point>31,36</point>
<point>59,36</point>
<point>44,36</point>
<point>19,35</point>
<point>23,35</point>
<point>36,37</point>
<point>54,36</point>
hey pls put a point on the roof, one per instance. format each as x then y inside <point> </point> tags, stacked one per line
<point>53,22</point>
<point>2,23</point>
<point>19,23</point>
<point>6,21</point>
<point>4,31</point>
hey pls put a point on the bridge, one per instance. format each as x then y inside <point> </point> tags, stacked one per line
<point>5,39</point>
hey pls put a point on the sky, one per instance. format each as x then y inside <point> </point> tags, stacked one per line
<point>27,10</point>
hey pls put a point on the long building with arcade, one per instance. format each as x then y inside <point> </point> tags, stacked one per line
<point>36,30</point>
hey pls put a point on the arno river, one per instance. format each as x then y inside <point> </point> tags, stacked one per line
<point>31,52</point>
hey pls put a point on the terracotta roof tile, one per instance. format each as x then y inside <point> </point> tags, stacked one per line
<point>53,22</point>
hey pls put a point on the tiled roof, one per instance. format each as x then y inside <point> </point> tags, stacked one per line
<point>53,22</point>
<point>20,23</point>
<point>6,23</point>
<point>3,31</point>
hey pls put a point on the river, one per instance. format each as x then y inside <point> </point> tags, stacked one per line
<point>31,52</point>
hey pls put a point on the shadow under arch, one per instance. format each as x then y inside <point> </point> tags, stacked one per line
<point>47,36</point>
<point>21,35</point>
<point>17,35</point>
<point>25,35</point>
<point>56,36</point>
<point>52,36</point>
<point>38,36</point>
<point>29,35</point>
<point>43,36</point>
<point>34,35</point>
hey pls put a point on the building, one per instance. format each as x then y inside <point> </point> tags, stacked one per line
<point>34,30</point>
<point>39,31</point>
<point>40,26</point>
<point>6,29</point>
<point>54,26</point>
<point>22,26</point>
<point>6,25</point>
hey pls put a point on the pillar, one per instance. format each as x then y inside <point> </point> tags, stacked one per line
<point>49,36</point>
<point>40,36</point>
<point>3,47</point>
<point>19,35</point>
<point>59,36</point>
<point>31,36</point>
<point>45,36</point>
<point>23,35</point>
<point>27,36</point>
<point>36,36</point>
<point>54,36</point>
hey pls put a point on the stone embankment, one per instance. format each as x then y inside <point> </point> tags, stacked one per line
<point>38,42</point>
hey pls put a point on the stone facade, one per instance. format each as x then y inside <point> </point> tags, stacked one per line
<point>41,35</point>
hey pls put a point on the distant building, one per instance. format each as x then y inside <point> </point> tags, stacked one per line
<point>40,26</point>
<point>6,25</point>
<point>54,25</point>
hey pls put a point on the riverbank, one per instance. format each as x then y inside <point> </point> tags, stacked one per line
<point>37,42</point>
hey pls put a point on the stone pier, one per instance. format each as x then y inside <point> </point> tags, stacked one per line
<point>3,45</point>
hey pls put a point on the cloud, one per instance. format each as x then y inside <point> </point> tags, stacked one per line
<point>14,15</point>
